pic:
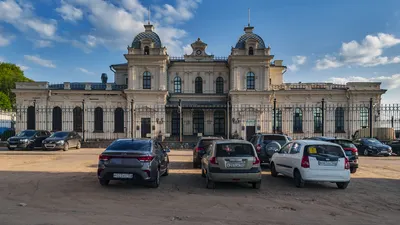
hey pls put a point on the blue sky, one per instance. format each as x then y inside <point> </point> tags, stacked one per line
<point>319,41</point>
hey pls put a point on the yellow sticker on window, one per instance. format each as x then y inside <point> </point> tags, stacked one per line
<point>312,150</point>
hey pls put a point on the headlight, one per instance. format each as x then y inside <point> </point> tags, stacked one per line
<point>8,139</point>
<point>43,141</point>
<point>60,142</point>
<point>24,140</point>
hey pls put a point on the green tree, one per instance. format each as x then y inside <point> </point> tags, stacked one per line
<point>4,101</point>
<point>9,75</point>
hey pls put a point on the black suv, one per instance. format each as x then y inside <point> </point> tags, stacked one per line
<point>267,144</point>
<point>200,149</point>
<point>27,139</point>
<point>349,148</point>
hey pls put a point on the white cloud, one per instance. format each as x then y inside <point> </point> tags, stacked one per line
<point>21,16</point>
<point>42,43</point>
<point>182,12</point>
<point>22,67</point>
<point>389,82</point>
<point>297,61</point>
<point>187,49</point>
<point>4,41</point>
<point>43,62</point>
<point>83,70</point>
<point>367,53</point>
<point>69,12</point>
<point>2,59</point>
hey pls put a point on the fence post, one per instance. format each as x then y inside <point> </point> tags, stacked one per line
<point>132,119</point>
<point>323,118</point>
<point>370,118</point>
<point>274,127</point>
<point>83,120</point>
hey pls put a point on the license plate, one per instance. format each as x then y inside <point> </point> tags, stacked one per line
<point>13,146</point>
<point>123,175</point>
<point>384,152</point>
<point>234,165</point>
<point>325,163</point>
<point>50,146</point>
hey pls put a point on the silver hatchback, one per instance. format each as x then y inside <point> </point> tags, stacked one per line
<point>231,161</point>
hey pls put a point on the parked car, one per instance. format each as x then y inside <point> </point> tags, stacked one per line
<point>349,148</point>
<point>142,160</point>
<point>312,161</point>
<point>267,144</point>
<point>62,140</point>
<point>231,161</point>
<point>200,149</point>
<point>27,139</point>
<point>371,146</point>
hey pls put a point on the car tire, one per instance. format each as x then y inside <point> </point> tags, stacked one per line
<point>342,185</point>
<point>66,146</point>
<point>256,185</point>
<point>104,182</point>
<point>195,165</point>
<point>31,147</point>
<point>166,173</point>
<point>353,170</point>
<point>203,174</point>
<point>156,182</point>
<point>209,183</point>
<point>298,180</point>
<point>366,153</point>
<point>78,146</point>
<point>273,170</point>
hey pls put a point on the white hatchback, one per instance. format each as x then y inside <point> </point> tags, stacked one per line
<point>312,161</point>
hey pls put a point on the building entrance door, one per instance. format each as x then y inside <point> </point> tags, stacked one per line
<point>250,131</point>
<point>145,127</point>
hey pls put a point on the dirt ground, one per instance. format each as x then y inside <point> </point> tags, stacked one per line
<point>62,188</point>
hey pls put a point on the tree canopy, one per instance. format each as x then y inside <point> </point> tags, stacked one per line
<point>9,75</point>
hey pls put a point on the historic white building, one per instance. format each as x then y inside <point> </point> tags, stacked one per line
<point>219,96</point>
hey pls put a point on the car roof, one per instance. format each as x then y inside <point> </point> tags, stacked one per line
<point>213,137</point>
<point>228,141</point>
<point>271,134</point>
<point>330,138</point>
<point>135,139</point>
<point>314,142</point>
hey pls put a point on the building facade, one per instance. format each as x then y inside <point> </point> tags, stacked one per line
<point>197,95</point>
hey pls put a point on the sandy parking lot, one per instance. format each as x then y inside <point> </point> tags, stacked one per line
<point>62,188</point>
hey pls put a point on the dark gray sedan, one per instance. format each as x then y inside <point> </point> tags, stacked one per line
<point>62,140</point>
<point>140,160</point>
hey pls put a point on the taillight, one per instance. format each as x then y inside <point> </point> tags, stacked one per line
<point>256,161</point>
<point>104,157</point>
<point>213,160</point>
<point>258,148</point>
<point>197,149</point>
<point>346,164</point>
<point>145,158</point>
<point>305,163</point>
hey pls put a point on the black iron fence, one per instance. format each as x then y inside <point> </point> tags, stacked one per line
<point>295,120</point>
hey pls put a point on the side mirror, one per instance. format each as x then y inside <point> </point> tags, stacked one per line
<point>167,150</point>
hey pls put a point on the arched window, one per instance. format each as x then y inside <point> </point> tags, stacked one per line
<point>78,118</point>
<point>364,114</point>
<point>317,120</point>
<point>31,118</point>
<point>98,119</point>
<point>198,85</point>
<point>219,122</point>
<point>278,121</point>
<point>198,121</point>
<point>177,84</point>
<point>339,120</point>
<point>147,80</point>
<point>57,119</point>
<point>119,120</point>
<point>250,81</point>
<point>298,121</point>
<point>146,50</point>
<point>219,85</point>
<point>251,51</point>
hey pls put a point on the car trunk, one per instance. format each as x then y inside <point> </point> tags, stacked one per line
<point>127,159</point>
<point>325,157</point>
<point>235,156</point>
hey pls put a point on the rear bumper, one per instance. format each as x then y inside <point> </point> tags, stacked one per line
<point>138,174</point>
<point>325,175</point>
<point>252,175</point>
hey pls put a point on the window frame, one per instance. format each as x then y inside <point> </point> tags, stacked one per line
<point>219,85</point>
<point>198,85</point>
<point>250,81</point>
<point>177,84</point>
<point>146,80</point>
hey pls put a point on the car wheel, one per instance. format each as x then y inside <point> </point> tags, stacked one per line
<point>203,174</point>
<point>273,170</point>
<point>78,146</point>
<point>353,170</point>
<point>166,173</point>
<point>256,185</point>
<point>66,146</point>
<point>31,147</point>
<point>104,182</point>
<point>366,153</point>
<point>298,180</point>
<point>209,183</point>
<point>195,165</point>
<point>156,182</point>
<point>342,185</point>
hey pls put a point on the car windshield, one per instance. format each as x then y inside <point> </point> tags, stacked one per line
<point>324,150</point>
<point>59,134</point>
<point>26,133</point>
<point>130,145</point>
<point>344,143</point>
<point>372,141</point>
<point>278,138</point>
<point>234,150</point>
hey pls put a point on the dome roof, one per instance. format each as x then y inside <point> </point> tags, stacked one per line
<point>241,43</point>
<point>147,35</point>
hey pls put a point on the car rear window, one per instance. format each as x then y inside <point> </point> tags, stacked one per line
<point>130,145</point>
<point>278,138</point>
<point>324,150</point>
<point>234,150</point>
<point>344,143</point>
